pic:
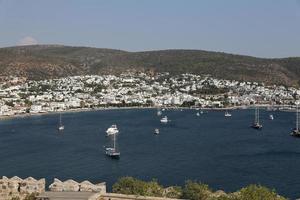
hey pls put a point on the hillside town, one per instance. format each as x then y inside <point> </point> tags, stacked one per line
<point>20,96</point>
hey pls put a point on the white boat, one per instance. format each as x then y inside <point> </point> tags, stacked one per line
<point>156,131</point>
<point>198,114</point>
<point>296,132</point>
<point>61,127</point>
<point>271,117</point>
<point>112,151</point>
<point>112,130</point>
<point>201,112</point>
<point>164,119</point>
<point>159,113</point>
<point>227,114</point>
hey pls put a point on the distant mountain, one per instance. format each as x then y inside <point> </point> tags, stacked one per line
<point>52,61</point>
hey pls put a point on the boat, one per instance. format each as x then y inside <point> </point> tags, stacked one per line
<point>112,130</point>
<point>271,117</point>
<point>296,132</point>
<point>198,114</point>
<point>164,119</point>
<point>159,113</point>
<point>156,131</point>
<point>112,151</point>
<point>61,127</point>
<point>201,112</point>
<point>256,124</point>
<point>227,114</point>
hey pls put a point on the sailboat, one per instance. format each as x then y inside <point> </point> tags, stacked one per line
<point>164,119</point>
<point>112,151</point>
<point>61,127</point>
<point>256,124</point>
<point>296,131</point>
<point>159,113</point>
<point>227,114</point>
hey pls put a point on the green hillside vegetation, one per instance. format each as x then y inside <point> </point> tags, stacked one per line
<point>52,61</point>
<point>192,190</point>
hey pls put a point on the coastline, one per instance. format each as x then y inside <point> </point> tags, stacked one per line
<point>264,106</point>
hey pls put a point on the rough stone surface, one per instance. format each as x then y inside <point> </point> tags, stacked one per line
<point>17,187</point>
<point>73,186</point>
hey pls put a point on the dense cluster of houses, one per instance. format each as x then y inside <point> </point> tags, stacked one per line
<point>20,96</point>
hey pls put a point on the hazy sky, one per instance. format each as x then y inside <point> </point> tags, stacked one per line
<point>264,28</point>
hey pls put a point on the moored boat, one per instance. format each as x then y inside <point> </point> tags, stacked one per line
<point>256,124</point>
<point>61,127</point>
<point>112,151</point>
<point>296,132</point>
<point>164,119</point>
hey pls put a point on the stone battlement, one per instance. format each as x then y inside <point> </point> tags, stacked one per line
<point>17,187</point>
<point>20,188</point>
<point>73,186</point>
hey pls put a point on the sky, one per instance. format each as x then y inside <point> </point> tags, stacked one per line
<point>262,28</point>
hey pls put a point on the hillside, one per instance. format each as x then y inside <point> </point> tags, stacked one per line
<point>51,61</point>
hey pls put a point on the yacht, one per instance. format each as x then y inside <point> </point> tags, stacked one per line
<point>112,151</point>
<point>227,114</point>
<point>271,117</point>
<point>61,127</point>
<point>296,132</point>
<point>156,131</point>
<point>198,114</point>
<point>256,124</point>
<point>112,130</point>
<point>164,119</point>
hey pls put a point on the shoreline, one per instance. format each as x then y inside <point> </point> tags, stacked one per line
<point>264,106</point>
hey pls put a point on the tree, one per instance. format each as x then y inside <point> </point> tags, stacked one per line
<point>9,103</point>
<point>258,192</point>
<point>195,191</point>
<point>130,185</point>
<point>31,196</point>
<point>27,102</point>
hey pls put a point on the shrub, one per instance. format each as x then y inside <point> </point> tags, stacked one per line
<point>258,192</point>
<point>129,185</point>
<point>195,191</point>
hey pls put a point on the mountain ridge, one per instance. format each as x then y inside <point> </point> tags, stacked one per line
<point>54,61</point>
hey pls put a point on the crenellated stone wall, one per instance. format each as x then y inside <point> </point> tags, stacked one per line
<point>20,188</point>
<point>17,187</point>
<point>73,186</point>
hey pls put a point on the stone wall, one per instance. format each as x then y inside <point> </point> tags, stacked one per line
<point>17,187</point>
<point>73,186</point>
<point>114,196</point>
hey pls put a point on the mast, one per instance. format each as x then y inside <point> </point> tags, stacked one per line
<point>297,119</point>
<point>257,115</point>
<point>60,120</point>
<point>114,141</point>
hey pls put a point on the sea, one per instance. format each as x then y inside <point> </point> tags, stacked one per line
<point>223,152</point>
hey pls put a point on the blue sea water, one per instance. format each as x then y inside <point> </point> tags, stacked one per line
<point>222,152</point>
